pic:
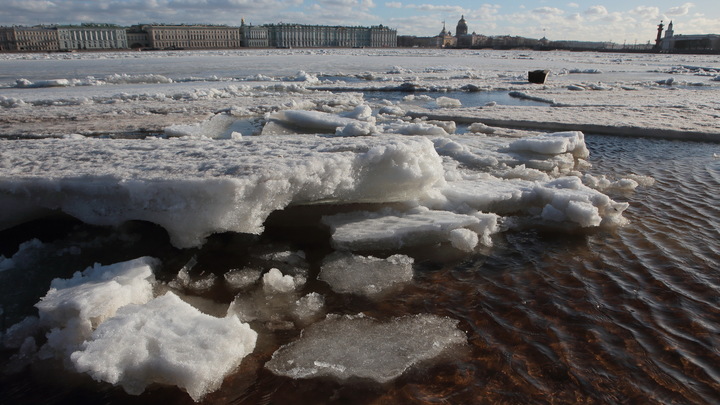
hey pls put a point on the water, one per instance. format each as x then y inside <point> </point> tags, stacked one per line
<point>467,99</point>
<point>624,316</point>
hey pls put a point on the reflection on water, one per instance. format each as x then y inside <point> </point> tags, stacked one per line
<point>624,316</point>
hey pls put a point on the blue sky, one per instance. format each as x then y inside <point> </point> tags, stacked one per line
<point>615,20</point>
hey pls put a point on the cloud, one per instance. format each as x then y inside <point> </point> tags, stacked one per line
<point>432,7</point>
<point>680,10</point>
<point>596,11</point>
<point>548,11</point>
<point>573,5</point>
<point>393,4</point>
<point>646,12</point>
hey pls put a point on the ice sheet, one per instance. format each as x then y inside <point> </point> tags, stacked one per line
<point>345,347</point>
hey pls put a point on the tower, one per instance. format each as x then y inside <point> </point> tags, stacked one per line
<point>669,32</point>
<point>659,34</point>
<point>462,28</point>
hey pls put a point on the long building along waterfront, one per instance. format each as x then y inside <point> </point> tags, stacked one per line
<point>190,36</point>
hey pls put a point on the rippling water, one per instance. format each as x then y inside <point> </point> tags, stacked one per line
<point>624,316</point>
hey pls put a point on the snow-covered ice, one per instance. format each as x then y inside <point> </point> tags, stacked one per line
<point>165,341</point>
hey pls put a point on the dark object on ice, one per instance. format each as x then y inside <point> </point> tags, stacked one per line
<point>537,76</point>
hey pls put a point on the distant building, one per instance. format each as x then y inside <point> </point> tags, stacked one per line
<point>7,39</point>
<point>317,36</point>
<point>192,36</point>
<point>92,36</point>
<point>137,38</point>
<point>709,43</point>
<point>36,39</point>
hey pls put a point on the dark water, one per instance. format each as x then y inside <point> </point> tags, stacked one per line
<point>630,315</point>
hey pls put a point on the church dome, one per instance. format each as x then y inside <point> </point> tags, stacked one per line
<point>462,28</point>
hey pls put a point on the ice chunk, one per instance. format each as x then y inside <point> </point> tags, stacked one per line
<point>348,273</point>
<point>464,239</point>
<point>219,126</point>
<point>238,279</point>
<point>276,303</point>
<point>344,347</point>
<point>447,102</point>
<point>25,252</point>
<point>165,341</point>
<point>553,144</point>
<point>393,230</point>
<point>480,128</point>
<point>275,282</point>
<point>73,307</point>
<point>314,120</point>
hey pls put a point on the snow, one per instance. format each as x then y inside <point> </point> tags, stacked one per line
<point>346,347</point>
<point>165,341</point>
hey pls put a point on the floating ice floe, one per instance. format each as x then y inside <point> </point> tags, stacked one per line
<point>371,276</point>
<point>74,307</point>
<point>393,230</point>
<point>277,303</point>
<point>345,347</point>
<point>165,341</point>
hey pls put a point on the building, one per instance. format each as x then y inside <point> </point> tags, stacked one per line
<point>7,39</point>
<point>36,39</point>
<point>317,36</point>
<point>92,36</point>
<point>137,38</point>
<point>192,36</point>
<point>706,43</point>
<point>161,36</point>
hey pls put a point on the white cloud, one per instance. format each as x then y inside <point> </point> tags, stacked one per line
<point>393,4</point>
<point>573,5</point>
<point>680,10</point>
<point>548,11</point>
<point>432,7</point>
<point>596,11</point>
<point>646,12</point>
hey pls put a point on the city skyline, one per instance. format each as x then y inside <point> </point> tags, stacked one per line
<point>620,22</point>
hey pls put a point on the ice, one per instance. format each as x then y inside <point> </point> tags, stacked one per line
<point>447,102</point>
<point>17,334</point>
<point>275,282</point>
<point>553,144</point>
<point>26,251</point>
<point>394,230</point>
<point>371,276</point>
<point>73,308</point>
<point>238,279</point>
<point>277,303</point>
<point>345,347</point>
<point>479,127</point>
<point>194,188</point>
<point>165,341</point>
<point>220,126</point>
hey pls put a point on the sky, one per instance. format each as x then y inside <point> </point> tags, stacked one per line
<point>630,22</point>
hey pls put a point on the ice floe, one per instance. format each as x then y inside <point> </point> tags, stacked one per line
<point>165,341</point>
<point>346,347</point>
<point>371,276</point>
